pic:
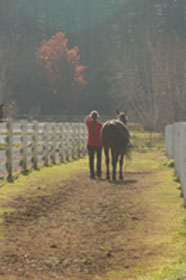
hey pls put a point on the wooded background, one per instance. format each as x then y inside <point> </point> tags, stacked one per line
<point>134,53</point>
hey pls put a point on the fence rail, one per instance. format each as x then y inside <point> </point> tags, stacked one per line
<point>25,145</point>
<point>175,139</point>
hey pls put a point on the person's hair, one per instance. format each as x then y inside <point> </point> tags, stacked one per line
<point>94,115</point>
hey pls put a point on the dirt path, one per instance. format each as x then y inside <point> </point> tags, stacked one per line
<point>77,229</point>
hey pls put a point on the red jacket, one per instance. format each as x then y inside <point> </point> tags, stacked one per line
<point>94,132</point>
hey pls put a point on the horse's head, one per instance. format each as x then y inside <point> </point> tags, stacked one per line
<point>122,117</point>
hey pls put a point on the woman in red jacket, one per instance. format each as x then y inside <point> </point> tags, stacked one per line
<point>94,143</point>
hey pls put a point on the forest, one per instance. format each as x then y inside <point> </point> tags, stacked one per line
<point>71,56</point>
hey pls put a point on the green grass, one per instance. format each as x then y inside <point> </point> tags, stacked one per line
<point>41,177</point>
<point>169,272</point>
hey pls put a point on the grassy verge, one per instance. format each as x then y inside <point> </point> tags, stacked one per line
<point>169,214</point>
<point>164,196</point>
<point>41,177</point>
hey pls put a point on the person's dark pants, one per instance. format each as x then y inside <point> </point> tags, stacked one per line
<point>92,150</point>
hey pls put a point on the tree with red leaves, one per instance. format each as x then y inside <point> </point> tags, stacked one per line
<point>63,68</point>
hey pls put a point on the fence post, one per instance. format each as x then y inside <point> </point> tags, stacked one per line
<point>176,147</point>
<point>79,139</point>
<point>76,139</point>
<point>46,135</point>
<point>35,146</point>
<point>183,177</point>
<point>73,137</point>
<point>67,141</point>
<point>182,158</point>
<point>9,147</point>
<point>169,140</point>
<point>61,149</point>
<point>54,143</point>
<point>24,145</point>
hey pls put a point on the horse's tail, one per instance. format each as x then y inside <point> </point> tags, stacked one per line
<point>128,150</point>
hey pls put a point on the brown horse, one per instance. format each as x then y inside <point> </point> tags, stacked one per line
<point>115,137</point>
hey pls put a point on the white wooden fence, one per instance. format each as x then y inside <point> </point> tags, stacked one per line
<point>25,145</point>
<point>175,138</point>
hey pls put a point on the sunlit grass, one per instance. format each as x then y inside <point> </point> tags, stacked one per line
<point>43,175</point>
<point>169,272</point>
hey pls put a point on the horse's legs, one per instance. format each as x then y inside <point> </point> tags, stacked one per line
<point>120,166</point>
<point>114,164</point>
<point>106,151</point>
